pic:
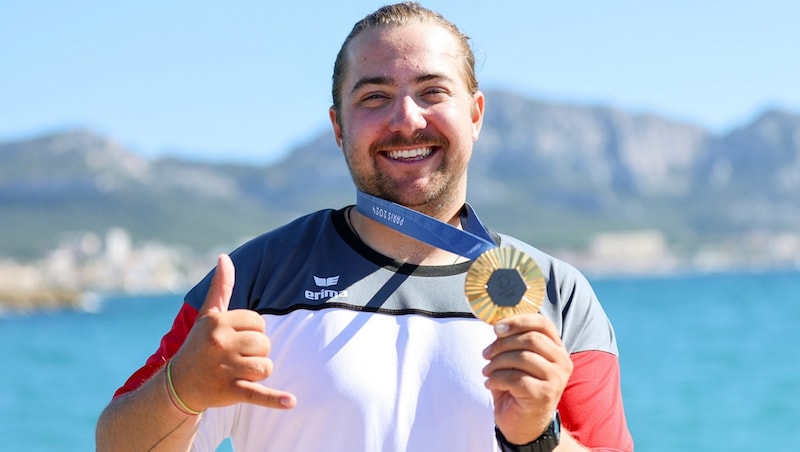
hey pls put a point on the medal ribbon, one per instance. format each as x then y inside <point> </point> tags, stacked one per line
<point>470,242</point>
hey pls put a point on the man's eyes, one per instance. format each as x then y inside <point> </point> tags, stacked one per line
<point>375,96</point>
<point>374,99</point>
<point>432,94</point>
<point>435,91</point>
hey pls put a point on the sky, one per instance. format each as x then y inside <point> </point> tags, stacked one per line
<point>244,81</point>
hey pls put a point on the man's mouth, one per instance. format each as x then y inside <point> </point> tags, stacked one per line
<point>409,154</point>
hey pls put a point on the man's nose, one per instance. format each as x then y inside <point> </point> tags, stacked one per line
<point>407,116</point>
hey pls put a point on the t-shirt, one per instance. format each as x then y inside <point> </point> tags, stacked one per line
<point>385,356</point>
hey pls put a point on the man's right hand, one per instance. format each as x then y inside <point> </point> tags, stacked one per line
<point>225,356</point>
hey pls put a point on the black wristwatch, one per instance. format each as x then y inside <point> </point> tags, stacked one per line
<point>544,443</point>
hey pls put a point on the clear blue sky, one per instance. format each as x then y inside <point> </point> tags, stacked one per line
<point>245,80</point>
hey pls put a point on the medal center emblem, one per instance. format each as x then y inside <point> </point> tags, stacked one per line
<point>506,287</point>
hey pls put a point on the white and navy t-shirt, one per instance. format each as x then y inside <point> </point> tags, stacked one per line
<point>384,356</point>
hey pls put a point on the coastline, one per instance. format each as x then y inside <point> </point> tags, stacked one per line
<point>19,300</point>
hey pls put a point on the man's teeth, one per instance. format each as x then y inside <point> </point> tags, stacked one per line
<point>410,153</point>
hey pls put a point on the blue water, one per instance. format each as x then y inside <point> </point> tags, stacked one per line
<point>709,363</point>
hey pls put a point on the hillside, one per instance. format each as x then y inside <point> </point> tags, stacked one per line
<point>552,174</point>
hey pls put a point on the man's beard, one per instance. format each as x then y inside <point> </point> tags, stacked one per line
<point>433,199</point>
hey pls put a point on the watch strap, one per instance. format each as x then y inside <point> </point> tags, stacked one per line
<point>546,442</point>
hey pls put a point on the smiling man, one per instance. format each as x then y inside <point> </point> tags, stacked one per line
<point>344,331</point>
<point>405,117</point>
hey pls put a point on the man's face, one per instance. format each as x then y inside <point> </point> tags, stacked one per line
<point>407,122</point>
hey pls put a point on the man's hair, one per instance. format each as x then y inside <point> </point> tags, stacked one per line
<point>398,15</point>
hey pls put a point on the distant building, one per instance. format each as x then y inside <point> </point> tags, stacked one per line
<point>630,251</point>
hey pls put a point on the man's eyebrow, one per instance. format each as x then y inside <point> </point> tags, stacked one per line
<point>381,80</point>
<point>372,81</point>
<point>434,76</point>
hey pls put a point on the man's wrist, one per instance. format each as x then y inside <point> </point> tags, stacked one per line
<point>546,442</point>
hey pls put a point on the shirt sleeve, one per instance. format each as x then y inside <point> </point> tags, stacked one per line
<point>170,344</point>
<point>591,407</point>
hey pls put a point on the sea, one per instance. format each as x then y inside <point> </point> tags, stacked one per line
<point>709,362</point>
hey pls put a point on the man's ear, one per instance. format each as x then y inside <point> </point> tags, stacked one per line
<point>477,114</point>
<point>337,129</point>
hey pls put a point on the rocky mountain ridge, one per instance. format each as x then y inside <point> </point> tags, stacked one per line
<point>552,174</point>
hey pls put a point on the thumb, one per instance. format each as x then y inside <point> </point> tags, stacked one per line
<point>219,292</point>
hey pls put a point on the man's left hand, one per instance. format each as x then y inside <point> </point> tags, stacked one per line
<point>527,372</point>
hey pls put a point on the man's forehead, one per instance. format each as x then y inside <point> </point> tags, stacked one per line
<point>398,40</point>
<point>422,48</point>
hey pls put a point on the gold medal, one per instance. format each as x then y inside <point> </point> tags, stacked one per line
<point>503,282</point>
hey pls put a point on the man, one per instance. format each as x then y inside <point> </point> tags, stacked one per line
<point>338,332</point>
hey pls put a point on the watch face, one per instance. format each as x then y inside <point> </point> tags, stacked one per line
<point>557,426</point>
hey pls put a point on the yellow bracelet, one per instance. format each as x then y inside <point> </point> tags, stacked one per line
<point>173,396</point>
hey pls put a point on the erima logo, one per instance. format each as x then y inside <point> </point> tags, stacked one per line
<point>326,282</point>
<point>326,291</point>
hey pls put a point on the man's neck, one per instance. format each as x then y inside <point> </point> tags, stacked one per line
<point>399,246</point>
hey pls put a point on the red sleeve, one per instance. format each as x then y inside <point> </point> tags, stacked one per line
<point>170,344</point>
<point>591,407</point>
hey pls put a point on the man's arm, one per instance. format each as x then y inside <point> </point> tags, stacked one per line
<point>527,372</point>
<point>221,363</point>
<point>591,405</point>
<point>530,373</point>
<point>145,419</point>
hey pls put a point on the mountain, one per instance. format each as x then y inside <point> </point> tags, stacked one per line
<point>756,169</point>
<point>552,174</point>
